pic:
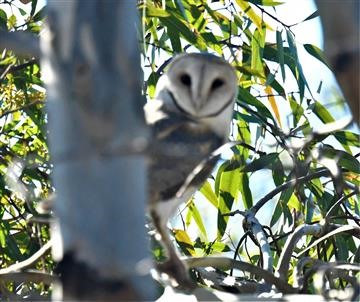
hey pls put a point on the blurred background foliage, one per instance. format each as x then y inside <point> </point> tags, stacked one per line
<point>295,163</point>
<point>24,158</point>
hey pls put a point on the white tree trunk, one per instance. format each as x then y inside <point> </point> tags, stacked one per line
<point>91,66</point>
<point>341,27</point>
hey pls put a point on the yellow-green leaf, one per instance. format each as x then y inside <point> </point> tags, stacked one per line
<point>317,53</point>
<point>246,8</point>
<point>209,194</point>
<point>273,104</point>
<point>195,214</point>
<point>153,11</point>
<point>184,241</point>
<point>257,49</point>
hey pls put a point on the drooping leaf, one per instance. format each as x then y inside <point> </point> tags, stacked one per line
<point>245,191</point>
<point>321,112</point>
<point>273,104</point>
<point>228,191</point>
<point>195,214</point>
<point>257,49</point>
<point>175,40</point>
<point>209,194</point>
<point>280,49</point>
<point>33,7</point>
<point>317,53</point>
<point>299,75</point>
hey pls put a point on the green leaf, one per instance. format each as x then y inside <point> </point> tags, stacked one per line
<point>39,15</point>
<point>342,251</point>
<point>3,20</point>
<point>348,138</point>
<point>153,11</point>
<point>33,7</point>
<point>321,112</point>
<point>261,163</point>
<point>175,40</point>
<point>197,218</point>
<point>220,170</point>
<point>245,97</point>
<point>281,208</point>
<point>317,53</point>
<point>228,191</point>
<point>177,25</point>
<point>256,19</point>
<point>219,247</point>
<point>180,5</point>
<point>247,118</point>
<point>209,194</point>
<point>151,84</point>
<point>245,191</point>
<point>280,48</point>
<point>184,241</point>
<point>22,12</point>
<point>257,49</point>
<point>244,136</point>
<point>297,111</point>
<point>299,74</point>
<point>11,21</point>
<point>294,203</point>
<point>3,235</point>
<point>343,159</point>
<point>312,16</point>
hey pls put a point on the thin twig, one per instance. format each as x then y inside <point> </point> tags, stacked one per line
<point>290,183</point>
<point>272,17</point>
<point>243,237</point>
<point>337,203</point>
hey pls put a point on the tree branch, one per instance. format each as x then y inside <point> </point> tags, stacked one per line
<point>27,262</point>
<point>284,260</point>
<point>228,263</point>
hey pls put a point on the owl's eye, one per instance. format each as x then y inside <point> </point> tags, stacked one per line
<point>217,83</point>
<point>185,79</point>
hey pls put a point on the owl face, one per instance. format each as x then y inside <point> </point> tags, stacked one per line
<point>202,87</point>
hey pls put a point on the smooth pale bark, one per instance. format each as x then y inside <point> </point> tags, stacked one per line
<point>341,28</point>
<point>91,67</point>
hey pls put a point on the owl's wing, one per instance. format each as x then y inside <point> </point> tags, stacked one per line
<point>203,168</point>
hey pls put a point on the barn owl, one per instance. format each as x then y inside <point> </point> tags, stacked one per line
<point>190,117</point>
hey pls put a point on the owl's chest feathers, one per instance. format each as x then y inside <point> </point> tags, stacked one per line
<point>185,138</point>
<point>187,143</point>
